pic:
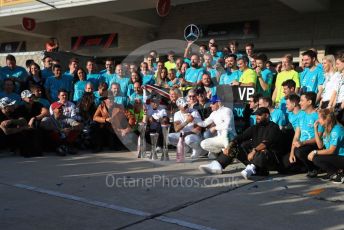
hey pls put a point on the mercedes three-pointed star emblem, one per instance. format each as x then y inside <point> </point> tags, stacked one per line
<point>191,33</point>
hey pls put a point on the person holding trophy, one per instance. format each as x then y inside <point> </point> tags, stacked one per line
<point>185,121</point>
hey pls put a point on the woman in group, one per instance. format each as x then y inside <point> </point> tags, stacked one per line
<point>173,80</point>
<point>330,157</point>
<point>86,109</point>
<point>35,77</point>
<point>162,79</point>
<point>339,107</point>
<point>80,85</point>
<point>134,77</point>
<point>146,76</point>
<point>329,90</point>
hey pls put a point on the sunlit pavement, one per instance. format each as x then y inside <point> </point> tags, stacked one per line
<point>118,191</point>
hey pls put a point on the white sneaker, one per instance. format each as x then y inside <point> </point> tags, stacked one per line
<point>212,156</point>
<point>248,171</point>
<point>213,168</point>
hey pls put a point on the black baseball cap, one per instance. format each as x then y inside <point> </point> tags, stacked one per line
<point>261,110</point>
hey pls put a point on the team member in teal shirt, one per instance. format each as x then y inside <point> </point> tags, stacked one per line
<point>80,85</point>
<point>265,76</point>
<point>134,77</point>
<point>293,110</point>
<point>101,93</point>
<point>304,138</point>
<point>117,96</point>
<point>193,74</point>
<point>109,75</point>
<point>73,65</point>
<point>147,76</point>
<point>208,85</point>
<point>11,70</point>
<point>121,79</point>
<point>228,77</point>
<point>232,73</point>
<point>276,115</point>
<point>137,95</point>
<point>173,81</point>
<point>288,89</point>
<point>331,156</point>
<point>208,67</point>
<point>8,91</point>
<point>47,70</point>
<point>92,75</point>
<point>54,83</point>
<point>312,76</point>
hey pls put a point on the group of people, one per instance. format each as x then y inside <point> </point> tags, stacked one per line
<point>293,122</point>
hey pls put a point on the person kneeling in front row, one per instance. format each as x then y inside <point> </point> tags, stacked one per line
<point>258,148</point>
<point>330,157</point>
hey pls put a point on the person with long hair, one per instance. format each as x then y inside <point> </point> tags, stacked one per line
<point>35,76</point>
<point>162,79</point>
<point>80,84</point>
<point>339,100</point>
<point>146,75</point>
<point>330,157</point>
<point>86,109</point>
<point>134,77</point>
<point>328,91</point>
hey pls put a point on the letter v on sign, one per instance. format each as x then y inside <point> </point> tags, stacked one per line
<point>242,93</point>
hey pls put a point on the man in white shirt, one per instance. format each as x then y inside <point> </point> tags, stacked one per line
<point>69,108</point>
<point>185,121</point>
<point>154,116</point>
<point>223,119</point>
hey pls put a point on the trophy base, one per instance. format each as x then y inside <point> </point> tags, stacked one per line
<point>153,157</point>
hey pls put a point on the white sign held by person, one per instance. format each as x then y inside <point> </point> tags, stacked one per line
<point>245,92</point>
<point>191,33</point>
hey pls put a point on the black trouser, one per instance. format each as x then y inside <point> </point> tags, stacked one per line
<point>288,168</point>
<point>27,141</point>
<point>339,113</point>
<point>264,161</point>
<point>11,141</point>
<point>287,135</point>
<point>330,163</point>
<point>103,135</point>
<point>32,142</point>
<point>301,154</point>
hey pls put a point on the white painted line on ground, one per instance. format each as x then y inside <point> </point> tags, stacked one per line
<point>113,207</point>
<point>183,223</point>
<point>84,200</point>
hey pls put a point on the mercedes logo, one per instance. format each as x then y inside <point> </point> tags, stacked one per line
<point>191,33</point>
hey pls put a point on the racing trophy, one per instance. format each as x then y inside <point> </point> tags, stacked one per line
<point>165,132</point>
<point>142,140</point>
<point>154,140</point>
